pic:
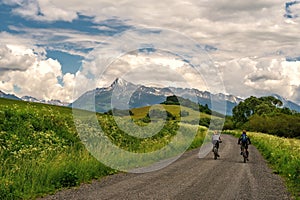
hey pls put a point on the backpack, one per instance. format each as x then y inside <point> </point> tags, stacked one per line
<point>244,139</point>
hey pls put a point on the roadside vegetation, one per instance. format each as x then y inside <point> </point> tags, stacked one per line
<point>282,154</point>
<point>266,115</point>
<point>275,131</point>
<point>41,152</point>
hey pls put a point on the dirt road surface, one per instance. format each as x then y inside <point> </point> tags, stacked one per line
<point>191,178</point>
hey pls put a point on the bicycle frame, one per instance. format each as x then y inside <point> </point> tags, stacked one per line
<point>245,153</point>
<point>215,149</point>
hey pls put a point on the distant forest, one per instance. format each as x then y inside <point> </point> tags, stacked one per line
<point>265,114</point>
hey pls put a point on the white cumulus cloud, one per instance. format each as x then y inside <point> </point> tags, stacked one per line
<point>22,68</point>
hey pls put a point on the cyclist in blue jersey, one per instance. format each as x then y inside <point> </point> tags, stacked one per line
<point>244,141</point>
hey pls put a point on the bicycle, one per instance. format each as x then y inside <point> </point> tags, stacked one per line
<point>215,150</point>
<point>245,154</point>
<point>244,141</point>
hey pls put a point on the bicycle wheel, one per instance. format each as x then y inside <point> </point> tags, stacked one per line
<point>215,152</point>
<point>245,156</point>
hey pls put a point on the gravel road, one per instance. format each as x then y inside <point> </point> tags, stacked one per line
<point>191,178</point>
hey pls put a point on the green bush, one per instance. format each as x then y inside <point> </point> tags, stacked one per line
<point>68,179</point>
<point>8,190</point>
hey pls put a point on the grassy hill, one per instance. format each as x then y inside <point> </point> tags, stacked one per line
<point>41,151</point>
<point>174,110</point>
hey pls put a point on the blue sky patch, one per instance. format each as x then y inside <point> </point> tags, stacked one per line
<point>210,48</point>
<point>70,63</point>
<point>147,49</point>
<point>293,59</point>
<point>288,11</point>
<point>5,13</point>
<point>17,89</point>
<point>60,81</point>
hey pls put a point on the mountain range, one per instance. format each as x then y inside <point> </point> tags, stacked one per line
<point>122,94</point>
<point>32,99</point>
<point>8,96</point>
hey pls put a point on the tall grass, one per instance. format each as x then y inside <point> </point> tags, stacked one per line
<point>282,154</point>
<point>41,151</point>
<point>27,179</point>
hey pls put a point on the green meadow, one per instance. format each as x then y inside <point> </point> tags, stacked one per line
<point>41,151</point>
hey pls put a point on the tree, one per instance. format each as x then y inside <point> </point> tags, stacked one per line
<point>253,105</point>
<point>266,115</point>
<point>263,108</point>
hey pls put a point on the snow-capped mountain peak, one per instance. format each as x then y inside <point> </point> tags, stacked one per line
<point>120,83</point>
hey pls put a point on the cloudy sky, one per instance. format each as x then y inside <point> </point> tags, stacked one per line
<point>50,47</point>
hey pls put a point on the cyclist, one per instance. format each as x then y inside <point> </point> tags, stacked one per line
<point>216,139</point>
<point>244,141</point>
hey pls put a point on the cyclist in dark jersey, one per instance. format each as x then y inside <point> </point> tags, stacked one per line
<point>244,141</point>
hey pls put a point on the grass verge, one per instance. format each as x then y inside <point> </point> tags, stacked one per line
<point>282,154</point>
